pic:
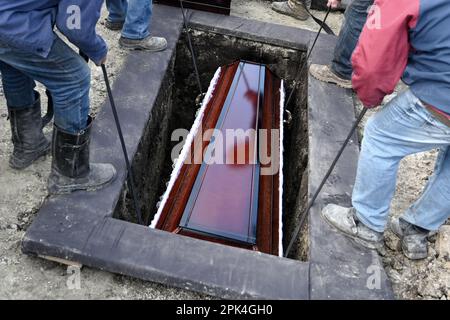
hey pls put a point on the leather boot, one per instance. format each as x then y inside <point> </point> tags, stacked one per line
<point>28,139</point>
<point>71,169</point>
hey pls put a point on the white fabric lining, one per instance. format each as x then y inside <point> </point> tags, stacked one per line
<point>280,232</point>
<point>186,148</point>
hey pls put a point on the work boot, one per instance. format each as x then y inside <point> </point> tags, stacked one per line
<point>28,139</point>
<point>346,221</point>
<point>150,44</point>
<point>114,26</point>
<point>325,74</point>
<point>71,170</point>
<point>293,8</point>
<point>414,238</point>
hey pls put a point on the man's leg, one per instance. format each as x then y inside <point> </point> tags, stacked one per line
<point>24,110</point>
<point>135,32</point>
<point>432,209</point>
<point>138,19</point>
<point>401,128</point>
<point>355,19</point>
<point>18,87</point>
<point>65,74</point>
<point>67,77</point>
<point>117,14</point>
<point>293,8</point>
<point>428,213</point>
<point>340,71</point>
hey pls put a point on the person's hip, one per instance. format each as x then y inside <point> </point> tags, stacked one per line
<point>437,114</point>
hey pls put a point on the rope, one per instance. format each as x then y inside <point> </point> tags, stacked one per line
<point>322,184</point>
<point>191,48</point>
<point>301,66</point>
<point>124,148</point>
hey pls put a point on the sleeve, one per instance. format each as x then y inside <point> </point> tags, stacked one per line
<point>381,55</point>
<point>77,21</point>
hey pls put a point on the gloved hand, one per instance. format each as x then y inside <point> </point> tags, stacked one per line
<point>102,61</point>
<point>334,3</point>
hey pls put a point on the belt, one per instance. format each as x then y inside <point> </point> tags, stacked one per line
<point>440,117</point>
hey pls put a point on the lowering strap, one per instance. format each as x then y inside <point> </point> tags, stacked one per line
<point>49,115</point>
<point>321,23</point>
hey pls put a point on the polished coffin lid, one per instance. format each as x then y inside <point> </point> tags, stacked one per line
<point>224,198</point>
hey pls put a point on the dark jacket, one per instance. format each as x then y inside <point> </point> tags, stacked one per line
<point>29,25</point>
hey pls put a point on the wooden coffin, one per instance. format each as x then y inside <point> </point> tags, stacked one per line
<point>234,199</point>
<point>216,6</point>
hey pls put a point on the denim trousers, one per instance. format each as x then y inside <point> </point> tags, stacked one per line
<point>403,127</point>
<point>355,19</point>
<point>136,15</point>
<point>64,73</point>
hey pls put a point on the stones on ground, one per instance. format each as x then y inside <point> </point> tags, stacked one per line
<point>435,287</point>
<point>395,276</point>
<point>443,242</point>
<point>392,241</point>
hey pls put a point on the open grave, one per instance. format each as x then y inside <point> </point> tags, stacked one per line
<point>156,94</point>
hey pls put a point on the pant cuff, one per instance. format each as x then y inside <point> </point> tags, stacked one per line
<point>333,69</point>
<point>134,36</point>
<point>408,218</point>
<point>366,222</point>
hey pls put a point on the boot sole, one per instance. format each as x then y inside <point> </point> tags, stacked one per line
<point>323,79</point>
<point>291,15</point>
<point>40,156</point>
<point>414,256</point>
<point>140,48</point>
<point>115,28</point>
<point>61,190</point>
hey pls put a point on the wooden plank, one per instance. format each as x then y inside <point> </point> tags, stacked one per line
<point>62,261</point>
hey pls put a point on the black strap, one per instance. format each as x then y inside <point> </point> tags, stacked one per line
<point>49,115</point>
<point>325,27</point>
<point>84,56</point>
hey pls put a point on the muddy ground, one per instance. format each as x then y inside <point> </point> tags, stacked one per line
<point>22,193</point>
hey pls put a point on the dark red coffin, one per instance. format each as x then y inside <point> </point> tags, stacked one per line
<point>226,186</point>
<point>216,6</point>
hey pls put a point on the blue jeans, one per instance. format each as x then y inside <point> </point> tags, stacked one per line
<point>136,15</point>
<point>401,128</point>
<point>355,19</point>
<point>64,73</point>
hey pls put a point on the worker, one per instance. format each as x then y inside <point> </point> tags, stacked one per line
<point>339,72</point>
<point>412,40</point>
<point>293,8</point>
<point>133,17</point>
<point>30,51</point>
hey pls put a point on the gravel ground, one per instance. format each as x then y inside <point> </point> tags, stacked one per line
<point>23,192</point>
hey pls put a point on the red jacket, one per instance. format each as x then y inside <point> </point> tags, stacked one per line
<point>409,39</point>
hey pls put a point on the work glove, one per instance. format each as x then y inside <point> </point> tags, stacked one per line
<point>334,4</point>
<point>102,61</point>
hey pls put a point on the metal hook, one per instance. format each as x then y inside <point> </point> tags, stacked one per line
<point>199,99</point>
<point>288,118</point>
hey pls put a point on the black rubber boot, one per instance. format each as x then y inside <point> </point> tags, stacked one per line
<point>71,170</point>
<point>28,139</point>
